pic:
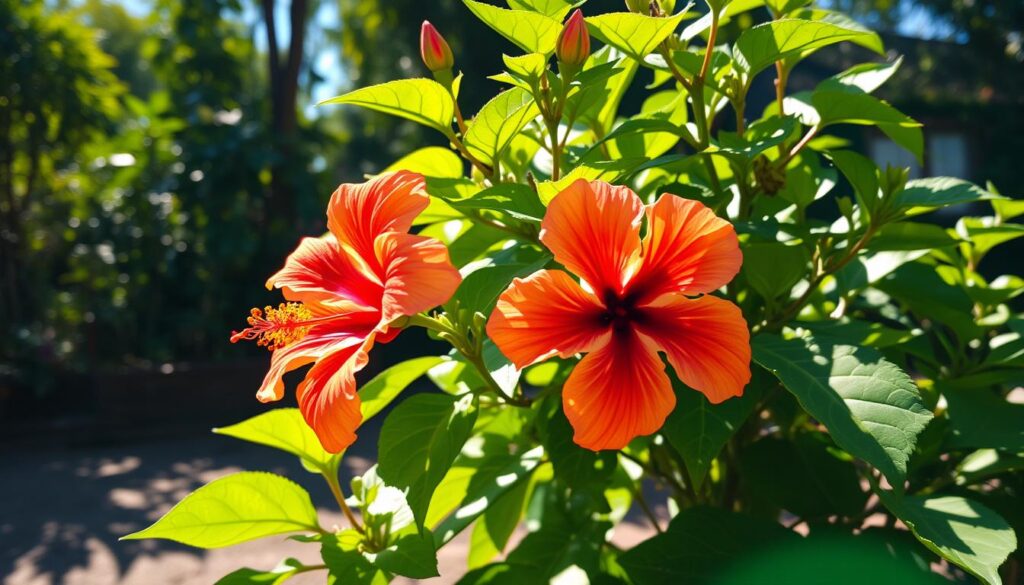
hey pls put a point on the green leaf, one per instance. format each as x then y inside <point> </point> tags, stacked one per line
<point>480,289</point>
<point>866,77</point>
<point>531,31</point>
<point>773,268</point>
<point>276,576</point>
<point>844,107</point>
<point>346,565</point>
<point>419,441</point>
<point>926,294</point>
<point>576,466</point>
<point>518,201</point>
<point>871,267</point>
<point>423,101</point>
<point>978,418</point>
<point>636,35</point>
<point>816,484</point>
<point>862,174</point>
<point>923,195</point>
<point>985,233</point>
<point>700,544</point>
<point>498,122</point>
<point>959,530</point>
<point>233,509</point>
<point>761,46</point>
<point>529,67</point>
<point>496,525</point>
<point>871,408</point>
<point>857,332</point>
<point>556,9</point>
<point>909,235</point>
<point>430,161</point>
<point>482,490</point>
<point>699,429</point>
<point>285,429</point>
<point>412,555</point>
<point>385,386</point>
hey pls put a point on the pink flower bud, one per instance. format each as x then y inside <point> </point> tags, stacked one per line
<point>434,50</point>
<point>573,46</point>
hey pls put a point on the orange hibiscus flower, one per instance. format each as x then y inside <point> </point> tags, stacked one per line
<point>345,291</point>
<point>637,298</point>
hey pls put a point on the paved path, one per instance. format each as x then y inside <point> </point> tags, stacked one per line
<point>62,510</point>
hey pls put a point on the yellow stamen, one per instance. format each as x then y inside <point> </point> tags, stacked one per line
<point>276,328</point>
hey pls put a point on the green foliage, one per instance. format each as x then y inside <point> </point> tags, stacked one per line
<point>234,509</point>
<point>880,419</point>
<point>420,440</point>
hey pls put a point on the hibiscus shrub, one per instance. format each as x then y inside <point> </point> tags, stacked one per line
<point>749,337</point>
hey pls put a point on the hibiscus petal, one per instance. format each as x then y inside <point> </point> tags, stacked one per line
<point>545,314</point>
<point>687,249</point>
<point>706,340</point>
<point>359,212</point>
<point>325,277</point>
<point>618,393</point>
<point>339,334</point>
<point>593,229</point>
<point>328,399</point>
<point>417,274</point>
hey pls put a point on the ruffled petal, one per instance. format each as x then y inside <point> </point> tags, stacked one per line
<point>687,249</point>
<point>344,332</point>
<point>593,229</point>
<point>618,393</point>
<point>328,399</point>
<point>546,314</point>
<point>325,277</point>
<point>359,212</point>
<point>706,340</point>
<point>418,274</point>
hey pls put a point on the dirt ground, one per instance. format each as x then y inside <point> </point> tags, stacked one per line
<point>63,509</point>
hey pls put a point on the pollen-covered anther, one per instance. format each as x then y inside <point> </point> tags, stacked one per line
<point>276,328</point>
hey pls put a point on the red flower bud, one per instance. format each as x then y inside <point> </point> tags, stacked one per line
<point>573,46</point>
<point>434,50</point>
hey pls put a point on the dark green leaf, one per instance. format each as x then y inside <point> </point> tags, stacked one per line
<point>419,441</point>
<point>699,429</point>
<point>699,546</point>
<point>576,466</point>
<point>870,407</point>
<point>412,555</point>
<point>816,483</point>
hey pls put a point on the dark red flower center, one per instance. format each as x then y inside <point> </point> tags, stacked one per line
<point>621,310</point>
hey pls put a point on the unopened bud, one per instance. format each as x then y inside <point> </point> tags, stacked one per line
<point>434,50</point>
<point>573,46</point>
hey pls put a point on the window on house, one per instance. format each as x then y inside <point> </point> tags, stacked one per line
<point>947,155</point>
<point>886,152</point>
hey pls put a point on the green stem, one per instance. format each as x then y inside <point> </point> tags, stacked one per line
<point>332,481</point>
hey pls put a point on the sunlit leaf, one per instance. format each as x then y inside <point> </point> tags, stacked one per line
<point>764,44</point>
<point>423,101</point>
<point>233,509</point>
<point>284,429</point>
<point>498,122</point>
<point>636,35</point>
<point>532,31</point>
